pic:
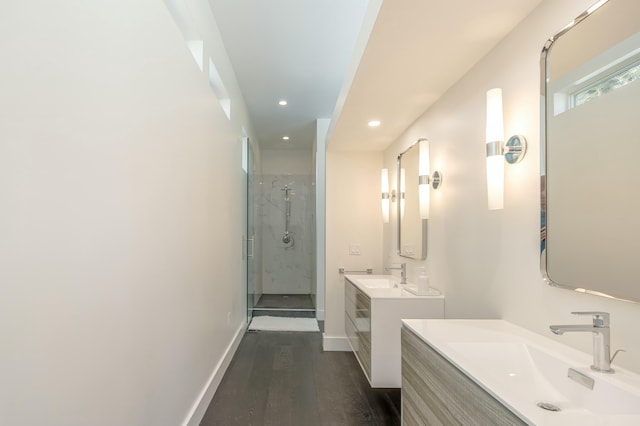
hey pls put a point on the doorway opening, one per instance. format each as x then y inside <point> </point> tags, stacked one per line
<point>281,228</point>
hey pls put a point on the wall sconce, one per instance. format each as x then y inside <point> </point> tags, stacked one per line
<point>424,178</point>
<point>403,190</point>
<point>513,151</point>
<point>386,197</point>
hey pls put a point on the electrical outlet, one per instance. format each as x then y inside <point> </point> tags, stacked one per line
<point>354,249</point>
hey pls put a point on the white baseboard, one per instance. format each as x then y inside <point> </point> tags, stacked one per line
<point>195,415</point>
<point>320,315</point>
<point>335,343</point>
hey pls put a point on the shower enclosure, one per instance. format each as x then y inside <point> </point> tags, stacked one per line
<point>284,209</point>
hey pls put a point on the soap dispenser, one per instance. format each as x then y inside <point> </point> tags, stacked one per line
<point>423,288</point>
<point>423,280</point>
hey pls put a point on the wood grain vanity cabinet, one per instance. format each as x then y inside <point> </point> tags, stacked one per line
<point>435,392</point>
<point>373,323</point>
<point>358,325</point>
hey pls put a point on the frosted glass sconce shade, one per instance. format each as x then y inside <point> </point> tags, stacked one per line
<point>403,190</point>
<point>497,151</point>
<point>495,156</point>
<point>423,178</point>
<point>495,182</point>
<point>384,184</point>
<point>495,124</point>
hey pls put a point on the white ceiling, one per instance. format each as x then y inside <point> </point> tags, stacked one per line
<point>297,50</point>
<point>302,50</point>
<point>417,50</point>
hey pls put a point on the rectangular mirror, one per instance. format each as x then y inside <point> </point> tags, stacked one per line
<point>590,227</point>
<point>412,230</point>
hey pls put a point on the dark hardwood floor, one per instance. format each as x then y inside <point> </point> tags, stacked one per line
<point>284,378</point>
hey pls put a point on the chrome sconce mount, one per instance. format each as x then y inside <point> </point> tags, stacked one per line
<point>390,196</point>
<point>435,180</point>
<point>515,149</point>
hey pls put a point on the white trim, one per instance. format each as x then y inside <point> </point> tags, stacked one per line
<point>321,159</point>
<point>335,343</point>
<point>199,407</point>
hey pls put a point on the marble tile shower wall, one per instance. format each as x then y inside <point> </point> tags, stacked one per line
<point>287,268</point>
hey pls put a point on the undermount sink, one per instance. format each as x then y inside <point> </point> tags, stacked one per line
<point>530,371</point>
<point>525,371</point>
<point>387,287</point>
<point>379,282</point>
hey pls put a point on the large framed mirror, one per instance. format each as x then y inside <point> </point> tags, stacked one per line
<point>412,230</point>
<point>590,207</point>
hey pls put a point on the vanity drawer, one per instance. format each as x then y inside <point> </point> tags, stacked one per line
<point>351,332</point>
<point>357,324</point>
<point>350,301</point>
<point>356,303</point>
<point>364,350</point>
<point>363,305</point>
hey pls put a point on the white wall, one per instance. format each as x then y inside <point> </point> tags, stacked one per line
<point>487,262</point>
<point>287,162</point>
<point>120,275</point>
<point>353,216</point>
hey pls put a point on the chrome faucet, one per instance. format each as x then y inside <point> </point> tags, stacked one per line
<point>601,339</point>
<point>403,272</point>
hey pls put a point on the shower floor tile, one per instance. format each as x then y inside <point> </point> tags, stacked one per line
<point>285,301</point>
<point>284,312</point>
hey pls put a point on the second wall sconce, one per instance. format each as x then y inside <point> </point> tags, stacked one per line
<point>425,179</point>
<point>497,151</point>
<point>386,197</point>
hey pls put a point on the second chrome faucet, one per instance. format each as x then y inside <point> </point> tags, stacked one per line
<point>403,271</point>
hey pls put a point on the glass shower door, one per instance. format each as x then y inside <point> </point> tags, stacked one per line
<point>250,214</point>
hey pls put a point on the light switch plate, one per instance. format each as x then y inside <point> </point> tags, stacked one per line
<point>354,249</point>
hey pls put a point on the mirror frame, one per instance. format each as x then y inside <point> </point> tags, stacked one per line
<point>544,72</point>
<point>423,222</point>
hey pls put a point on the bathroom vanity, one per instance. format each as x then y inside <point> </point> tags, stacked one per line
<point>374,308</point>
<point>494,372</point>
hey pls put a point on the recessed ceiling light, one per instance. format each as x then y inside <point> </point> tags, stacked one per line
<point>285,138</point>
<point>374,123</point>
<point>282,102</point>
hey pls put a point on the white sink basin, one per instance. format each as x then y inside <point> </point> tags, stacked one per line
<point>378,282</point>
<point>385,287</point>
<point>528,370</point>
<point>522,369</point>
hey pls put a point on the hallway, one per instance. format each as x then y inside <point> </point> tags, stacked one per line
<point>284,378</point>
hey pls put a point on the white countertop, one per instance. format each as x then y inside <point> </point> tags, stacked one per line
<point>390,292</point>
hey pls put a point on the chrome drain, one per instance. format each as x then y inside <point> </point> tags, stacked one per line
<point>548,406</point>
